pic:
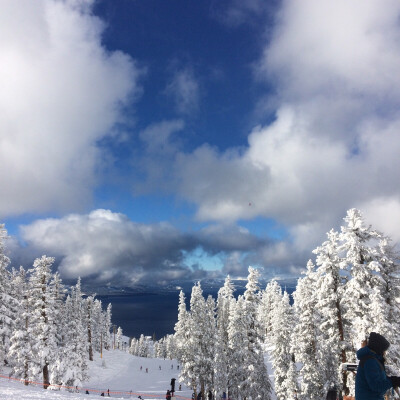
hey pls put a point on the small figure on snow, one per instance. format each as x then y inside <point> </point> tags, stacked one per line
<point>173,385</point>
<point>168,395</point>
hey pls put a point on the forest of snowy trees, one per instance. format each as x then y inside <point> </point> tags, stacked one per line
<point>351,289</point>
<point>45,334</point>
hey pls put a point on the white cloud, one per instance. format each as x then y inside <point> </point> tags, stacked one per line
<point>334,143</point>
<point>184,89</point>
<point>107,246</point>
<point>104,246</point>
<point>61,93</point>
<point>384,214</point>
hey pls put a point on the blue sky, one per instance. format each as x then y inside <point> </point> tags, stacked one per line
<point>156,140</point>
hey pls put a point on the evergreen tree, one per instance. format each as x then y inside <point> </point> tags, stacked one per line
<point>89,323</point>
<point>359,260</point>
<point>43,322</point>
<point>222,358</point>
<point>238,344</point>
<point>6,317</point>
<point>384,309</point>
<point>20,342</point>
<point>257,384</point>
<point>198,368</point>
<point>282,325</point>
<point>75,349</point>
<point>59,367</point>
<point>329,292</point>
<point>119,339</point>
<point>306,342</point>
<point>181,329</point>
<point>269,298</point>
<point>107,327</point>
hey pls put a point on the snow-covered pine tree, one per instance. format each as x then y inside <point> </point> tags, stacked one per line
<point>6,317</point>
<point>328,289</point>
<point>199,363</point>
<point>170,346</point>
<point>141,348</point>
<point>306,337</point>
<point>257,384</point>
<point>20,341</point>
<point>133,347</point>
<point>209,350</point>
<point>269,297</point>
<point>384,309</point>
<point>43,321</point>
<point>359,247</point>
<point>88,322</point>
<point>119,339</point>
<point>282,326</point>
<point>59,367</point>
<point>106,329</point>
<point>75,349</point>
<point>181,329</point>
<point>389,293</point>
<point>97,322</point>
<point>77,335</point>
<point>225,301</point>
<point>238,344</point>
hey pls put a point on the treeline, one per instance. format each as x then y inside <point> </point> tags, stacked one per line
<point>45,333</point>
<point>351,289</point>
<point>145,346</point>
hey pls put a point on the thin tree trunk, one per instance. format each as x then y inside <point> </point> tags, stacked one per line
<point>90,332</point>
<point>46,378</point>
<point>343,352</point>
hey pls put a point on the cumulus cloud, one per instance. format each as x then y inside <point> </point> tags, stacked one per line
<point>334,142</point>
<point>184,90</point>
<point>383,213</point>
<point>104,246</point>
<point>61,93</point>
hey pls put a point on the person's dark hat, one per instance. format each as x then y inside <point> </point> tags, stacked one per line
<point>377,343</point>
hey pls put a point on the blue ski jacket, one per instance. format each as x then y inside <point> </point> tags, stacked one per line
<point>371,380</point>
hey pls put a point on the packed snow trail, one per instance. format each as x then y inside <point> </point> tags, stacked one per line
<point>117,372</point>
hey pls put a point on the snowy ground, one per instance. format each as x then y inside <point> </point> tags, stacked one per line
<point>117,371</point>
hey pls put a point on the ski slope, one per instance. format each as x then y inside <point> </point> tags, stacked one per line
<point>117,372</point>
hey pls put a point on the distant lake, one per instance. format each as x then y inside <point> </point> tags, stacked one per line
<point>151,312</point>
<point>147,313</point>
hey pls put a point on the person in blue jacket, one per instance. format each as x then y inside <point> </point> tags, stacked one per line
<point>371,379</point>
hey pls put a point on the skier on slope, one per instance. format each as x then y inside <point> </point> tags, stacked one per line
<point>371,379</point>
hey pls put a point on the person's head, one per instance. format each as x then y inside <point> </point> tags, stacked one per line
<point>377,343</point>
